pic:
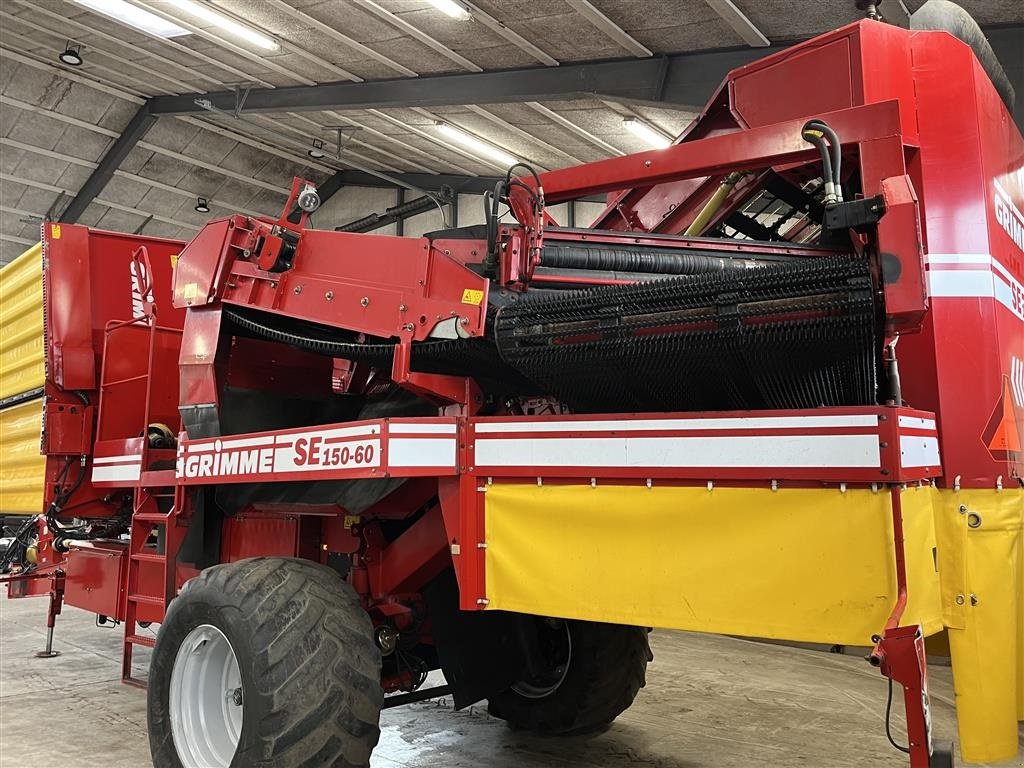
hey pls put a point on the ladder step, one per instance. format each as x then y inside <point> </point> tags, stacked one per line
<point>149,517</point>
<point>147,599</point>
<point>148,557</point>
<point>145,640</point>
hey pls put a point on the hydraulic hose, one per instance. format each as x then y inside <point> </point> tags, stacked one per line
<point>817,138</point>
<point>714,203</point>
<point>837,152</point>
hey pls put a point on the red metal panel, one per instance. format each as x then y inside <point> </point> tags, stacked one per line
<point>95,578</point>
<point>259,536</point>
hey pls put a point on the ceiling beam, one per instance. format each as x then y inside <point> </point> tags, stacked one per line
<point>587,10</point>
<point>111,161</point>
<point>685,79</point>
<point>738,20</point>
<point>431,182</point>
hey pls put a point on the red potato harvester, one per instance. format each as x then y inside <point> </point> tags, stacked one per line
<point>777,390</point>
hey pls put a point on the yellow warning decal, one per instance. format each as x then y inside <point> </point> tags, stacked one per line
<point>472,296</point>
<point>55,231</point>
<point>174,260</point>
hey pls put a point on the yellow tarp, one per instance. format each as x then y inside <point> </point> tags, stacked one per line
<point>21,318</point>
<point>798,564</point>
<point>21,466</point>
<point>812,565</point>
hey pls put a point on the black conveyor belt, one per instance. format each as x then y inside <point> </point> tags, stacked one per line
<point>797,334</point>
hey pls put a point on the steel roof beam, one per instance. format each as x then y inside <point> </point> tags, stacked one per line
<point>685,79</point>
<point>111,161</point>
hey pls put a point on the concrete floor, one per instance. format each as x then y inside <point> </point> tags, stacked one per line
<point>710,702</point>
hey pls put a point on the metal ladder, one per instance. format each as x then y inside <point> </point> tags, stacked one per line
<point>147,518</point>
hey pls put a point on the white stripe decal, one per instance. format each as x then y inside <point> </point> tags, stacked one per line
<point>421,452</point>
<point>115,474</point>
<point>919,451</point>
<point>754,451</point>
<point>126,459</point>
<point>915,422</point>
<point>991,280</point>
<point>961,283</point>
<point>425,429</point>
<point>958,258</point>
<point>679,425</point>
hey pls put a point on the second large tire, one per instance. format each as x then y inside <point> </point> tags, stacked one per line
<point>307,668</point>
<point>607,668</point>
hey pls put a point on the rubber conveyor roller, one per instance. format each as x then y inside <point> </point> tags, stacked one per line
<point>798,334</point>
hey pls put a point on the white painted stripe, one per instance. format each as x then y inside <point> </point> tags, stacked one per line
<point>965,283</point>
<point>399,428</point>
<point>783,451</point>
<point>680,425</point>
<point>919,451</point>
<point>916,422</point>
<point>421,452</point>
<point>362,429</point>
<point>244,442</point>
<point>1004,294</point>
<point>115,474</point>
<point>958,258</point>
<point>130,457</point>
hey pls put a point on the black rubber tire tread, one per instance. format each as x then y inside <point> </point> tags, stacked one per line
<point>304,645</point>
<point>606,671</point>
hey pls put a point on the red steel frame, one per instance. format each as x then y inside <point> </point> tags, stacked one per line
<point>887,114</point>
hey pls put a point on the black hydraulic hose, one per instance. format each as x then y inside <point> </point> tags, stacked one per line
<point>816,137</point>
<point>837,149</point>
<point>393,214</point>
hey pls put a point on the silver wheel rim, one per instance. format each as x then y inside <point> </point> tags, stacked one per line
<point>529,691</point>
<point>205,700</point>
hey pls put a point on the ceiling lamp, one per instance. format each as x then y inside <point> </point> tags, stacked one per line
<point>72,54</point>
<point>656,139</point>
<point>202,205</point>
<point>136,17</point>
<point>477,145</point>
<point>219,20</point>
<point>451,8</point>
<point>317,150</point>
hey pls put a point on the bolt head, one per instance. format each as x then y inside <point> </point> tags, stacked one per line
<point>365,301</point>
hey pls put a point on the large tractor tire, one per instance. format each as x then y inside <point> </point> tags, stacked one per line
<point>265,662</point>
<point>589,674</point>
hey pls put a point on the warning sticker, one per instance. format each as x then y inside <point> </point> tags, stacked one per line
<point>55,231</point>
<point>471,296</point>
<point>1002,436</point>
<point>191,291</point>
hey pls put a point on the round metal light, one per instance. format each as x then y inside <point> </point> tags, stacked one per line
<point>317,151</point>
<point>202,205</point>
<point>71,55</point>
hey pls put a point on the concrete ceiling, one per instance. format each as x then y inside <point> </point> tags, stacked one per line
<point>57,122</point>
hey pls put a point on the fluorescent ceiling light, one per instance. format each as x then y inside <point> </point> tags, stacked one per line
<point>655,138</point>
<point>475,144</point>
<point>451,8</point>
<point>136,17</point>
<point>211,17</point>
